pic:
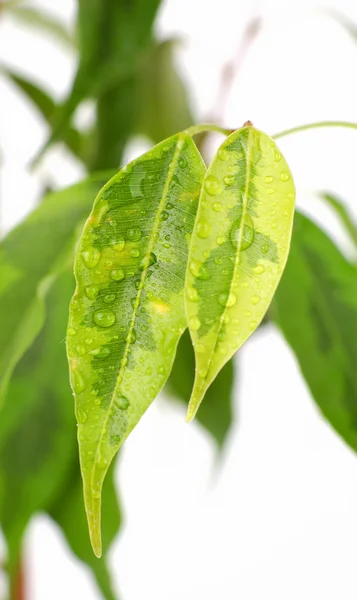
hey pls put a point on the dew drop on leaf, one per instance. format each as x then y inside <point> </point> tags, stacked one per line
<point>91,291</point>
<point>117,274</point>
<point>203,229</point>
<point>229,179</point>
<point>227,299</point>
<point>91,257</point>
<point>217,206</point>
<point>109,298</point>
<point>122,402</point>
<point>79,383</point>
<point>248,233</point>
<point>213,185</point>
<point>134,234</point>
<point>104,318</point>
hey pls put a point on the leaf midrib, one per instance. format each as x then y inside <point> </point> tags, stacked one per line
<point>156,226</point>
<point>240,238</point>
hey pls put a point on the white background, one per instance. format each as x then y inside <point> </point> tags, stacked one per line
<point>276,519</point>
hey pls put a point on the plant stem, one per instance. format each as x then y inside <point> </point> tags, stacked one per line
<point>315,126</point>
<point>196,129</point>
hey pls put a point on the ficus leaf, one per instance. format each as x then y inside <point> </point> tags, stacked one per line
<point>316,308</point>
<point>127,314</point>
<point>238,249</point>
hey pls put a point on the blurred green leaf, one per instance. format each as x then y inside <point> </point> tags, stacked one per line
<point>316,308</point>
<point>112,37</point>
<point>215,414</point>
<point>162,97</point>
<point>47,107</point>
<point>30,258</point>
<point>37,426</point>
<point>68,512</point>
<point>40,20</point>
<point>342,212</point>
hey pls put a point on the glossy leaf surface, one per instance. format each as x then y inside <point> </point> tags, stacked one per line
<point>127,314</point>
<point>238,250</point>
<point>216,412</point>
<point>316,308</point>
<point>30,257</point>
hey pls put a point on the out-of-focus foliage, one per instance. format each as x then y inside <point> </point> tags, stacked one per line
<point>316,308</point>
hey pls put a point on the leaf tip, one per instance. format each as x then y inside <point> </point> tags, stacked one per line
<point>93,510</point>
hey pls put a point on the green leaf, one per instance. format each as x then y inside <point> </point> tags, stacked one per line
<point>238,251</point>
<point>29,15</point>
<point>37,430</point>
<point>163,101</point>
<point>344,215</point>
<point>316,308</point>
<point>113,37</point>
<point>216,411</point>
<point>127,314</point>
<point>69,514</point>
<point>47,107</point>
<point>30,258</point>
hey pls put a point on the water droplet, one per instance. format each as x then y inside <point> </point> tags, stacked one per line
<point>164,215</point>
<point>81,415</point>
<point>264,248</point>
<point>246,239</point>
<point>217,206</point>
<point>121,402</point>
<point>220,240</point>
<point>227,299</point>
<point>259,269</point>
<point>102,352</point>
<point>202,373</point>
<point>203,229</point>
<point>79,383</point>
<point>134,234</point>
<point>88,341</point>
<point>71,331</point>
<point>284,176</point>
<point>80,350</point>
<point>213,185</point>
<point>109,298</point>
<point>117,274</point>
<point>194,323</point>
<point>91,257</point>
<point>192,294</point>
<point>91,291</point>
<point>132,337</point>
<point>270,191</point>
<point>104,318</point>
<point>277,156</point>
<point>148,371</point>
<point>255,299</point>
<point>229,179</point>
<point>268,179</point>
<point>135,252</point>
<point>119,245</point>
<point>223,154</point>
<point>182,163</point>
